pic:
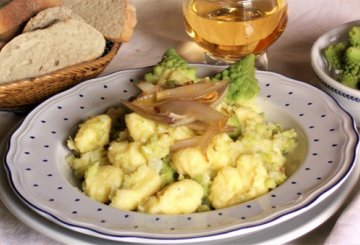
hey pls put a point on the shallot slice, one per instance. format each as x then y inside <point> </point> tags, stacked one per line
<point>221,96</point>
<point>194,109</point>
<point>191,142</point>
<point>147,87</point>
<point>191,91</point>
<point>200,126</point>
<point>206,138</point>
<point>148,113</point>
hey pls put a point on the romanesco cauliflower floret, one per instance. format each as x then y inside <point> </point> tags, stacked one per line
<point>101,181</point>
<point>351,70</point>
<point>344,58</point>
<point>126,155</point>
<point>181,197</point>
<point>243,84</point>
<point>172,69</point>
<point>334,54</point>
<point>93,133</point>
<point>189,161</point>
<point>137,186</point>
<point>349,80</point>
<point>354,36</point>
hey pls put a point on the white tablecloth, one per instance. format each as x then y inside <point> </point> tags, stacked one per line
<point>160,26</point>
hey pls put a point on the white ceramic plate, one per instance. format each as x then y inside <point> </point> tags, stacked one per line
<point>40,176</point>
<point>276,234</point>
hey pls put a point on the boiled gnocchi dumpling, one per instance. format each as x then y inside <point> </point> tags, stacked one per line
<point>137,186</point>
<point>131,165</point>
<point>101,182</point>
<point>80,164</point>
<point>190,161</point>
<point>126,155</point>
<point>93,133</point>
<point>140,128</point>
<point>181,197</point>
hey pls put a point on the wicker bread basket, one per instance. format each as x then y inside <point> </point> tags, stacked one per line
<point>25,94</point>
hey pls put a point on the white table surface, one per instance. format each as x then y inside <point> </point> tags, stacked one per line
<point>160,26</point>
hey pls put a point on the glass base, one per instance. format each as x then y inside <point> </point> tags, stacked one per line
<point>261,62</point>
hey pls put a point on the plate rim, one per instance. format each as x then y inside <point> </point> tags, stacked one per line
<point>71,236</point>
<point>278,218</point>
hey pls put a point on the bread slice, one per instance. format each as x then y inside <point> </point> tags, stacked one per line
<point>42,51</point>
<point>115,19</point>
<point>50,16</point>
<point>13,13</point>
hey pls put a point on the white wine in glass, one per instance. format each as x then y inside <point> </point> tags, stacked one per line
<point>230,29</point>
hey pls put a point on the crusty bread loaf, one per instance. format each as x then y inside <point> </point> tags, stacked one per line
<point>42,51</point>
<point>115,19</point>
<point>15,12</point>
<point>50,16</point>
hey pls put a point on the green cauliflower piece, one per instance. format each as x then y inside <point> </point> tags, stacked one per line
<point>349,80</point>
<point>205,182</point>
<point>167,173</point>
<point>80,164</point>
<point>344,57</point>
<point>234,122</point>
<point>243,84</point>
<point>171,70</point>
<point>351,70</point>
<point>354,36</point>
<point>333,55</point>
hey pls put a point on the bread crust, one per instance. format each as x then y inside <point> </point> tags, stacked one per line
<point>50,16</point>
<point>116,19</point>
<point>129,24</point>
<point>42,51</point>
<point>16,12</point>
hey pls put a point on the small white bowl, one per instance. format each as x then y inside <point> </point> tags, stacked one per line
<point>347,97</point>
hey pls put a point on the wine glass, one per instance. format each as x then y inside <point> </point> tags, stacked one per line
<point>230,29</point>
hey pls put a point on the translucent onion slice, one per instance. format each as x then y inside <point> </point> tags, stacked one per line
<point>197,126</point>
<point>147,87</point>
<point>150,114</point>
<point>191,91</point>
<point>200,127</point>
<point>145,100</point>
<point>221,96</point>
<point>191,142</point>
<point>194,109</point>
<point>202,141</point>
<point>181,120</point>
<point>206,139</point>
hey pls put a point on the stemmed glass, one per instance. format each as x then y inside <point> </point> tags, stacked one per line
<point>230,29</point>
